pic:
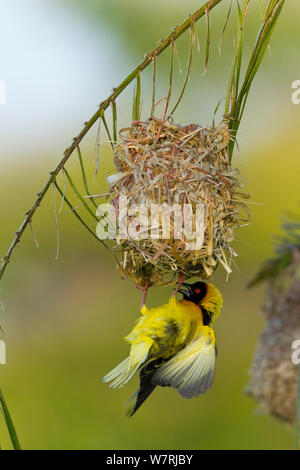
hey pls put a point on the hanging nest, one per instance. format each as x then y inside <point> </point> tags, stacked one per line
<point>273,374</point>
<point>159,162</point>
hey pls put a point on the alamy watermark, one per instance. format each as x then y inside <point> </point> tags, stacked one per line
<point>184,222</point>
<point>2,352</point>
<point>296,94</point>
<point>296,352</point>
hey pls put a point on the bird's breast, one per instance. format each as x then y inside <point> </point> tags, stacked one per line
<point>189,321</point>
<point>170,327</point>
<point>190,311</point>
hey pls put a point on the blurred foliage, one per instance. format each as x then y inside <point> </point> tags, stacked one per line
<point>285,251</point>
<point>64,319</point>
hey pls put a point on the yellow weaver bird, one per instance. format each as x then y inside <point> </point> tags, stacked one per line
<point>173,345</point>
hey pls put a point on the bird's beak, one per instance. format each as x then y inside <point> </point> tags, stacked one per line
<point>185,289</point>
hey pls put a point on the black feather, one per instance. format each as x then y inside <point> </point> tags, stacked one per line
<point>206,316</point>
<point>146,385</point>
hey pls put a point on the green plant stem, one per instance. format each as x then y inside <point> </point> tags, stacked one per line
<point>207,42</point>
<point>153,85</point>
<point>107,130</point>
<point>138,97</point>
<point>171,75</point>
<point>84,177</point>
<point>80,197</point>
<point>163,44</point>
<point>78,216</point>
<point>240,96</point>
<point>189,67</point>
<point>9,423</point>
<point>114,115</point>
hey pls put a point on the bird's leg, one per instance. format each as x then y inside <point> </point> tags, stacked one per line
<point>180,281</point>
<point>144,290</point>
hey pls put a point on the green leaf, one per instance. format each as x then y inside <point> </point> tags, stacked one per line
<point>9,423</point>
<point>261,44</point>
<point>138,97</point>
<point>79,196</point>
<point>271,269</point>
<point>189,67</point>
<point>84,175</point>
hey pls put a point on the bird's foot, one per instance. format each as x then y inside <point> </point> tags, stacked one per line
<point>144,290</point>
<point>181,278</point>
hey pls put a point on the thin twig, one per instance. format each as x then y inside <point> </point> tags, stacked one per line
<point>56,223</point>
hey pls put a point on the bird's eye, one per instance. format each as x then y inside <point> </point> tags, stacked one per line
<point>197,291</point>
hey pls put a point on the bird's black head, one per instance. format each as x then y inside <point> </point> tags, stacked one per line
<point>193,292</point>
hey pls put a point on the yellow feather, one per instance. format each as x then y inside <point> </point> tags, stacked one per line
<point>213,300</point>
<point>174,334</point>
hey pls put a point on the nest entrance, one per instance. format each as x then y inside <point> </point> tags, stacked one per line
<point>161,163</point>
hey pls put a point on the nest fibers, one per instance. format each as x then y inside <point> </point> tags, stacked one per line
<point>161,163</point>
<point>274,370</point>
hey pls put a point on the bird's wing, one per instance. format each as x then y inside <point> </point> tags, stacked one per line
<point>121,374</point>
<point>191,371</point>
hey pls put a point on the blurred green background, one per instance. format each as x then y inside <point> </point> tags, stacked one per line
<point>64,319</point>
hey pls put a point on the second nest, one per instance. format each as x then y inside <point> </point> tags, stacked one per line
<point>161,163</point>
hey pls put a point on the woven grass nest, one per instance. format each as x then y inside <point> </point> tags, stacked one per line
<point>273,374</point>
<point>159,162</point>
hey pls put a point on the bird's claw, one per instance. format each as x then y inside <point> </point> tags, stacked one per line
<point>181,278</point>
<point>144,290</point>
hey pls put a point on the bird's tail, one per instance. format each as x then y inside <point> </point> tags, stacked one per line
<point>146,386</point>
<point>121,374</point>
